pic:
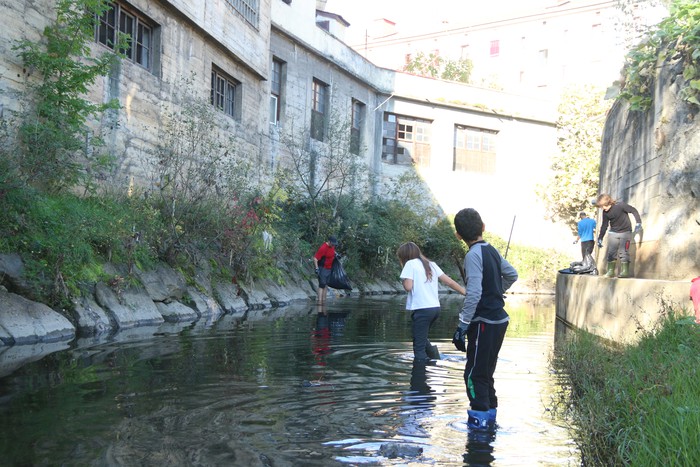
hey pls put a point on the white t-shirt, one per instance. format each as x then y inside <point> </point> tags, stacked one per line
<point>424,293</point>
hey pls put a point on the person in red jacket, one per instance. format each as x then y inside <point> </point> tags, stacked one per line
<point>323,262</point>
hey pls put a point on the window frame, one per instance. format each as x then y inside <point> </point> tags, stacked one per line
<point>225,94</point>
<point>319,104</point>
<point>140,30</point>
<point>276,75</point>
<point>408,131</point>
<point>474,150</point>
<point>357,117</point>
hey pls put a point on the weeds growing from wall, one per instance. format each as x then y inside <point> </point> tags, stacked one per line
<point>676,38</point>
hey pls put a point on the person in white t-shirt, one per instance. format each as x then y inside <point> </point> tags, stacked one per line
<point>420,278</point>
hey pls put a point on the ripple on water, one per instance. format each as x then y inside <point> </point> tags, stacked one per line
<point>304,389</point>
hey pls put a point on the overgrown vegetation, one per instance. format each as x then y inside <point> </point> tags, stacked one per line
<point>205,202</point>
<point>676,39</point>
<point>575,170</point>
<point>56,149</point>
<point>638,404</point>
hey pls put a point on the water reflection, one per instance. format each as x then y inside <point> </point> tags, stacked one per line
<point>297,386</point>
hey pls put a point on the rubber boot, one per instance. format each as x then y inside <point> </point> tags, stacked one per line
<point>624,270</point>
<point>478,420</point>
<point>611,269</point>
<point>433,352</point>
<point>492,418</point>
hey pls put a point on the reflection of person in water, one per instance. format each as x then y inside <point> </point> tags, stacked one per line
<point>321,337</point>
<point>420,400</point>
<point>479,449</point>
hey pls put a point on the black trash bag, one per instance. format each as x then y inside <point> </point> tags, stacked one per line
<point>587,266</point>
<point>339,280</point>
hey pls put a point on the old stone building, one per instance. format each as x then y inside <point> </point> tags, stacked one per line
<point>281,80</point>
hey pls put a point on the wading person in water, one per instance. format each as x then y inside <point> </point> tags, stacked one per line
<point>616,215</point>
<point>483,319</point>
<point>323,262</point>
<point>420,277</point>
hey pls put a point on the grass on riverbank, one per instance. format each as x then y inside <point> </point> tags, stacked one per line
<point>640,404</point>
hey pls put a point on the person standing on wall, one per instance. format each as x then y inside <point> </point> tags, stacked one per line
<point>616,216</point>
<point>586,234</point>
<point>323,262</point>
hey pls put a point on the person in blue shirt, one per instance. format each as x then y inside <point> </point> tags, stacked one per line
<point>586,234</point>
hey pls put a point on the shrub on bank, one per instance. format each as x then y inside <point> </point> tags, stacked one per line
<point>65,239</point>
<point>637,404</point>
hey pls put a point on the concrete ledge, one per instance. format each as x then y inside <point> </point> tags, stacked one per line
<point>617,309</point>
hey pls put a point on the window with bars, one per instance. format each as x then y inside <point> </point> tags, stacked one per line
<point>474,150</point>
<point>139,33</point>
<point>406,140</point>
<point>357,117</point>
<point>318,109</point>
<point>248,9</point>
<point>276,90</point>
<point>225,93</point>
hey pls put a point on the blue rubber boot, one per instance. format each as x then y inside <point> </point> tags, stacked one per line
<point>478,420</point>
<point>492,418</point>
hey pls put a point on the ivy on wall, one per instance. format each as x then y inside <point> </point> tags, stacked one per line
<point>675,38</point>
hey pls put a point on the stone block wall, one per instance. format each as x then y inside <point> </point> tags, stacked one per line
<point>651,160</point>
<point>618,309</point>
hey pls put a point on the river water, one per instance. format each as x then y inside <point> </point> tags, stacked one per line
<point>293,386</point>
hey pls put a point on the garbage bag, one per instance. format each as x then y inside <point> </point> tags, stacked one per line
<point>587,266</point>
<point>339,280</point>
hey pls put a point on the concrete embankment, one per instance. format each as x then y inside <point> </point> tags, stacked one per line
<point>148,298</point>
<point>617,309</point>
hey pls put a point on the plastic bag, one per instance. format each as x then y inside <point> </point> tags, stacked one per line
<point>339,280</point>
<point>587,266</point>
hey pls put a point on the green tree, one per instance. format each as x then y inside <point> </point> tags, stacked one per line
<point>52,129</point>
<point>575,170</point>
<point>434,66</point>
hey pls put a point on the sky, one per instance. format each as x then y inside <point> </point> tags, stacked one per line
<point>412,16</point>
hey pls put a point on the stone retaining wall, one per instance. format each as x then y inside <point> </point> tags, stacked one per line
<point>617,309</point>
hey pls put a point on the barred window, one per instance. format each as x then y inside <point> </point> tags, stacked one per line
<point>249,9</point>
<point>138,30</point>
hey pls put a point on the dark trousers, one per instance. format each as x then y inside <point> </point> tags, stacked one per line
<point>421,321</point>
<point>587,248</point>
<point>483,344</point>
<point>619,246</point>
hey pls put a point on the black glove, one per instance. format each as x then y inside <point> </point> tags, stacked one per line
<point>600,243</point>
<point>316,271</point>
<point>459,339</point>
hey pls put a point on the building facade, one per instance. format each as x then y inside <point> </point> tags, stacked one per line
<point>280,80</point>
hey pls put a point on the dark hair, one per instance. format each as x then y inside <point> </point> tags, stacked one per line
<point>468,224</point>
<point>409,251</point>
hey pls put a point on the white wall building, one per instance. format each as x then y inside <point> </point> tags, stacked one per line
<point>272,67</point>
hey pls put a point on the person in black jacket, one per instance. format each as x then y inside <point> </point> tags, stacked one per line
<point>483,319</point>
<point>616,215</point>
